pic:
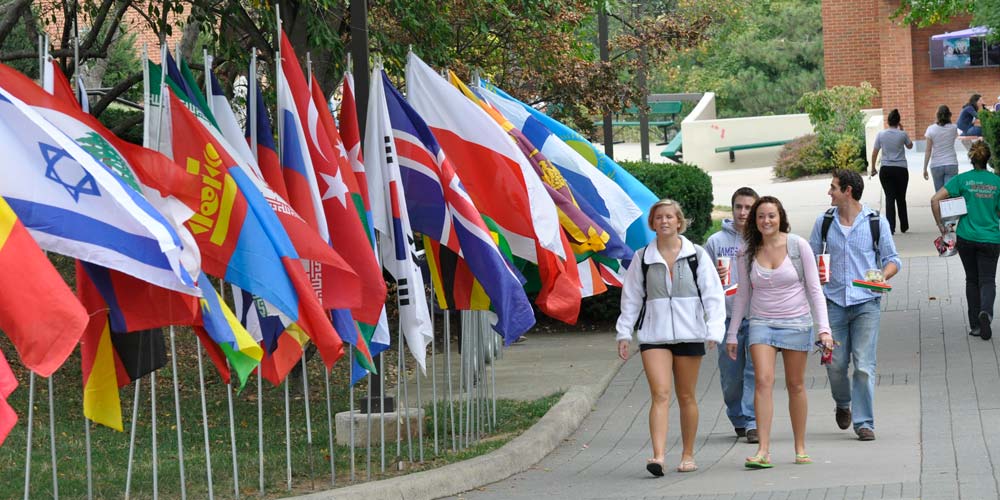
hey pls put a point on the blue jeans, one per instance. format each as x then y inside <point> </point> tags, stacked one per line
<point>856,328</point>
<point>738,381</point>
<point>942,174</point>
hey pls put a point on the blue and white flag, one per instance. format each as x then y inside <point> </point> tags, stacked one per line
<point>638,234</point>
<point>75,205</point>
<point>606,202</point>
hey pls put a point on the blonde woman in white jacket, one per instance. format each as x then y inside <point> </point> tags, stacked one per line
<point>673,298</point>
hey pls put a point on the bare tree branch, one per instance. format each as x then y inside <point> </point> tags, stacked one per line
<point>132,121</point>
<point>11,15</point>
<point>114,92</point>
<point>98,23</point>
<point>66,52</point>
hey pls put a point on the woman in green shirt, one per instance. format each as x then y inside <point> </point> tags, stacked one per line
<point>978,235</point>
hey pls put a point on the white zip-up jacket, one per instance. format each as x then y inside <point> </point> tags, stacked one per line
<point>673,312</point>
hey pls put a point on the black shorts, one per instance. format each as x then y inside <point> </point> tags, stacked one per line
<point>679,349</point>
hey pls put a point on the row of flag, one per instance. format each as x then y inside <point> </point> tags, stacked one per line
<point>505,201</point>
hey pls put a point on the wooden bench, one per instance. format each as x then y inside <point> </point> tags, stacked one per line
<point>741,147</point>
<point>656,109</point>
<point>673,149</point>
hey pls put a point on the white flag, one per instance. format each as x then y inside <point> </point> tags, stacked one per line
<point>392,222</point>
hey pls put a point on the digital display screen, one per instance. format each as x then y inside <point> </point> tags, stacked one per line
<point>963,52</point>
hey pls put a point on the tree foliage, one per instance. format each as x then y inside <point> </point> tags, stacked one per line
<point>539,50</point>
<point>759,62</point>
<point>925,13</point>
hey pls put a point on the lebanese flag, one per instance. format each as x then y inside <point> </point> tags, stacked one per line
<point>332,186</point>
<point>501,183</point>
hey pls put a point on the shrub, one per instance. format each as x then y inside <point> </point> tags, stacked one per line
<point>803,156</point>
<point>687,184</point>
<point>990,121</point>
<point>836,116</point>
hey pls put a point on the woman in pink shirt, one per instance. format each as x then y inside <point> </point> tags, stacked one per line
<point>781,273</point>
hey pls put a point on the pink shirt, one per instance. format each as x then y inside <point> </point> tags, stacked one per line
<point>779,295</point>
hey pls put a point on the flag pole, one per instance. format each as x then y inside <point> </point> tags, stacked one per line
<point>470,381</point>
<point>232,423</point>
<point>277,68</point>
<point>252,106</point>
<point>204,417</point>
<point>329,426</point>
<point>350,389</point>
<point>368,442</point>
<point>434,397</point>
<point>252,121</point>
<point>495,346</point>
<point>52,440</point>
<point>420,405</point>
<point>152,416</point>
<point>177,412</point>
<point>447,364</point>
<point>305,372</point>
<point>131,440</point>
<point>381,407</point>
<point>260,432</point>
<point>207,61</point>
<point>400,375</point>
<point>76,66</point>
<point>41,60</point>
<point>309,439</point>
<point>461,380</point>
<point>31,417</point>
<point>288,440</point>
<point>90,474</point>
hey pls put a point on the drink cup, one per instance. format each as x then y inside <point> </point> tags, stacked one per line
<point>823,264</point>
<point>724,262</point>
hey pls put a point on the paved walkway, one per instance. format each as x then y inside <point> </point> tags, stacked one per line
<point>937,402</point>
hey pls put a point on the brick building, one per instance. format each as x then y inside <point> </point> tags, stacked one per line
<point>51,13</point>
<point>861,43</point>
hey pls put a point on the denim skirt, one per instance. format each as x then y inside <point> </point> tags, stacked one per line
<point>790,338</point>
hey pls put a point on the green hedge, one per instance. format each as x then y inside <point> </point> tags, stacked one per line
<point>687,184</point>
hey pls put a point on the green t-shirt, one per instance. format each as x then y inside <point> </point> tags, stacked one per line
<point>981,190</point>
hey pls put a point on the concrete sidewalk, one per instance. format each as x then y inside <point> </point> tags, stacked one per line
<point>937,397</point>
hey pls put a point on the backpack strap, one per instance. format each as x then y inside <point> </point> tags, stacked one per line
<point>693,264</point>
<point>825,229</point>
<point>795,255</point>
<point>641,256</point>
<point>874,225</point>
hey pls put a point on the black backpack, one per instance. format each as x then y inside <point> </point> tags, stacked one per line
<point>692,261</point>
<point>874,222</point>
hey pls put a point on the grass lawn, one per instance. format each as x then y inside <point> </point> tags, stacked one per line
<point>310,465</point>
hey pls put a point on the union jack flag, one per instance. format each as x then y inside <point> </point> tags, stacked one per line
<point>467,267</point>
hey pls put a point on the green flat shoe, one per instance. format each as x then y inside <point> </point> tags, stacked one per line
<point>758,462</point>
